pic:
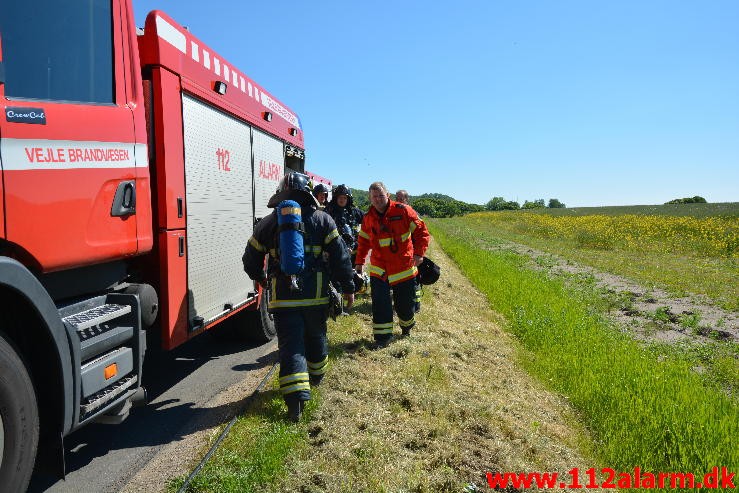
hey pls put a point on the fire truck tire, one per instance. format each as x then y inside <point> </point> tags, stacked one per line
<point>19,422</point>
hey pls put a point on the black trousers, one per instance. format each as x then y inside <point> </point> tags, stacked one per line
<point>402,296</point>
<point>303,349</point>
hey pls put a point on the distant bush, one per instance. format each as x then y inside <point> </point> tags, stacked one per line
<point>556,204</point>
<point>688,200</point>
<point>434,207</point>
<point>536,204</point>
<point>501,204</point>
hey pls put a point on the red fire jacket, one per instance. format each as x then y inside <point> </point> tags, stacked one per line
<point>394,237</point>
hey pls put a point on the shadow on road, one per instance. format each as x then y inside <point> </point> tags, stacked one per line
<point>159,422</point>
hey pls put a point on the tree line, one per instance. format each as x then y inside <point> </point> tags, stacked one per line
<point>440,205</point>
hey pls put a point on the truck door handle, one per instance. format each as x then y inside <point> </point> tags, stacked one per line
<point>124,202</point>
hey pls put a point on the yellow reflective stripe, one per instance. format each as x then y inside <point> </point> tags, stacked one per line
<point>319,283</point>
<point>406,323</point>
<point>373,269</point>
<point>405,236</point>
<point>294,377</point>
<point>318,368</point>
<point>258,246</point>
<point>295,388</point>
<point>319,371</point>
<point>383,325</point>
<point>382,331</point>
<point>297,303</point>
<point>318,364</point>
<point>402,275</point>
<point>314,249</point>
<point>364,235</point>
<point>385,242</point>
<point>331,236</point>
<point>413,227</point>
<point>290,210</point>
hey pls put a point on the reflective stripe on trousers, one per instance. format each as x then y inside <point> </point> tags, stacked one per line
<point>403,298</point>
<point>301,336</point>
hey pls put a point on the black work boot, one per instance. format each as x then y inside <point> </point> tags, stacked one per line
<point>315,380</point>
<point>294,409</point>
<point>381,343</point>
<point>406,331</point>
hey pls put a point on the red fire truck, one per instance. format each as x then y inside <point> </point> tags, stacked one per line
<point>134,167</point>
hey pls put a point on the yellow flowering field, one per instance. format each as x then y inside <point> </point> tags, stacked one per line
<point>702,236</point>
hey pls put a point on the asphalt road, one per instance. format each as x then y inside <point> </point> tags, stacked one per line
<point>101,458</point>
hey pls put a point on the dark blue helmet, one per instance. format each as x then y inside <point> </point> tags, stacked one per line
<point>293,186</point>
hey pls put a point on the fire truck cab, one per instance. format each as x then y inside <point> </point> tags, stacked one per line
<point>134,165</point>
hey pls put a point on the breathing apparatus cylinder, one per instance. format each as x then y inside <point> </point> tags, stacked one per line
<point>290,227</point>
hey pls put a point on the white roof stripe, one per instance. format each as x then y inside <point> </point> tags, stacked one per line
<point>178,39</point>
<point>171,35</point>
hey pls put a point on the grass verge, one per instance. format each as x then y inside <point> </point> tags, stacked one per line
<point>643,411</point>
<point>430,413</point>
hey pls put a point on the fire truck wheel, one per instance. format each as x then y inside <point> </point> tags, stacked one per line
<point>19,423</point>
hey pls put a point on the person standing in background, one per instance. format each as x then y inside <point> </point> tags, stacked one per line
<point>402,197</point>
<point>320,192</point>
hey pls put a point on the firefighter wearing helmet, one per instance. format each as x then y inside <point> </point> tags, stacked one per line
<point>348,218</point>
<point>298,279</point>
<point>398,240</point>
<point>320,192</point>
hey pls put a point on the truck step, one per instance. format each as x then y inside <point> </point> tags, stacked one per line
<point>94,317</point>
<point>100,399</point>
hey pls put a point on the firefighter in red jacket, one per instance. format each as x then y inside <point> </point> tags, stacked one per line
<point>398,240</point>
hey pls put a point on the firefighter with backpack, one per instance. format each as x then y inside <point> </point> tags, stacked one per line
<point>305,250</point>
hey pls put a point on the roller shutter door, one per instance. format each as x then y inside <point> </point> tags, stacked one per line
<point>220,217</point>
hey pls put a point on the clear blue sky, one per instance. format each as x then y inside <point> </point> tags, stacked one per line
<point>593,103</point>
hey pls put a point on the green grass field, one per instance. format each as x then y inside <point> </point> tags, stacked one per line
<point>725,209</point>
<point>684,254</point>
<point>644,409</point>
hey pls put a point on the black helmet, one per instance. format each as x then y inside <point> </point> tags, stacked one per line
<point>293,186</point>
<point>428,272</point>
<point>343,190</point>
<point>320,188</point>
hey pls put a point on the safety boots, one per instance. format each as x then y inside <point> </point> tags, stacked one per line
<point>294,409</point>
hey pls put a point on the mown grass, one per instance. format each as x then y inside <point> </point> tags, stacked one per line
<point>430,413</point>
<point>684,255</point>
<point>644,410</point>
<point>254,452</point>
